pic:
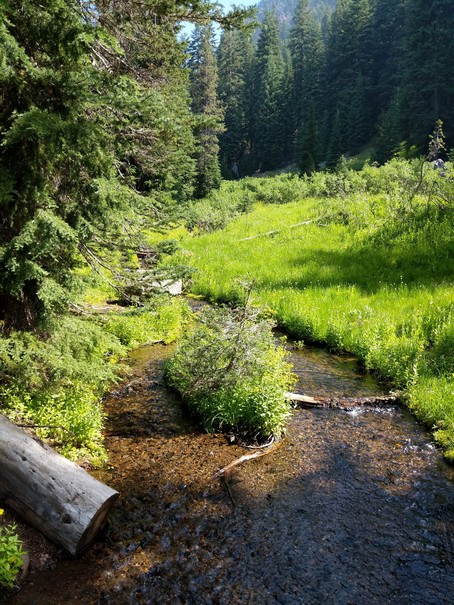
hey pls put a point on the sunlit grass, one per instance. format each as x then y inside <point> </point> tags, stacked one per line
<point>386,297</point>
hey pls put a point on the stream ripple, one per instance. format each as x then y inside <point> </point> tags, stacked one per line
<point>355,508</point>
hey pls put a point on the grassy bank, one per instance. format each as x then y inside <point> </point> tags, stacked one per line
<point>372,274</point>
<point>56,381</point>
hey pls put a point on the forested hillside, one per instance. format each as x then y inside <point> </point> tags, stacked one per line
<point>374,73</point>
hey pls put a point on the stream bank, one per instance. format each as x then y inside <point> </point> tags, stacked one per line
<point>355,507</point>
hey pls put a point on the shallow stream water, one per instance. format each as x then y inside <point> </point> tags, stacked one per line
<point>354,508</point>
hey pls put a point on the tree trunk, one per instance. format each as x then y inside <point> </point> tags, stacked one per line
<point>56,496</point>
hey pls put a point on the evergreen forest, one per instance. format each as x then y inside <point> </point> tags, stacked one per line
<point>292,165</point>
<point>374,74</point>
<point>124,141</point>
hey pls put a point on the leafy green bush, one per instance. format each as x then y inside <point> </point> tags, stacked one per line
<point>135,327</point>
<point>231,373</point>
<point>221,207</point>
<point>11,554</point>
<point>56,382</point>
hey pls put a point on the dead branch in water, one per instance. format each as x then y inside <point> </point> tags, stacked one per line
<point>247,457</point>
<point>341,402</point>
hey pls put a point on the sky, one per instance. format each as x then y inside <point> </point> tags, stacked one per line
<point>227,5</point>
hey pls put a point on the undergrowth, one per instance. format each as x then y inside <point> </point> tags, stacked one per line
<point>55,381</point>
<point>370,272</point>
<point>11,553</point>
<point>232,375</point>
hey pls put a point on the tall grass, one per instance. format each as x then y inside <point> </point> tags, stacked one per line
<point>372,274</point>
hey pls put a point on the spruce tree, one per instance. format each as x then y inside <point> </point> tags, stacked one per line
<point>385,53</point>
<point>95,138</point>
<point>307,53</point>
<point>308,143</point>
<point>348,60</point>
<point>234,60</point>
<point>269,97</point>
<point>207,110</point>
<point>54,155</point>
<point>427,69</point>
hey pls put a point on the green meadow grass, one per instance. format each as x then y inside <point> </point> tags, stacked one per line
<point>377,288</point>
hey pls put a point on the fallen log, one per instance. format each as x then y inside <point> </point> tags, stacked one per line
<point>341,402</point>
<point>246,239</point>
<point>54,495</point>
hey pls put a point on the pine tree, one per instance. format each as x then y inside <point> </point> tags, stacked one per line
<point>54,155</point>
<point>205,105</point>
<point>427,69</point>
<point>388,131</point>
<point>269,92</point>
<point>385,53</point>
<point>234,60</point>
<point>334,150</point>
<point>348,61</point>
<point>95,138</point>
<point>307,53</point>
<point>308,143</point>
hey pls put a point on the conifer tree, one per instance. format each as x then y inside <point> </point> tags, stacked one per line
<point>334,150</point>
<point>95,136</point>
<point>269,87</point>
<point>385,42</point>
<point>307,53</point>
<point>205,105</point>
<point>347,64</point>
<point>235,55</point>
<point>308,143</point>
<point>427,69</point>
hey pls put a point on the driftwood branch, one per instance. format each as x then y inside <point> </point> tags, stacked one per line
<point>247,457</point>
<point>246,239</point>
<point>341,402</point>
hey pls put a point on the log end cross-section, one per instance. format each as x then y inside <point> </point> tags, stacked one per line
<point>57,497</point>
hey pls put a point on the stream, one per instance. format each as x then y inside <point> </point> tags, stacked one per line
<point>354,508</point>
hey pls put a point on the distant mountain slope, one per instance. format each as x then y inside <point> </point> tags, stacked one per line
<point>285,9</point>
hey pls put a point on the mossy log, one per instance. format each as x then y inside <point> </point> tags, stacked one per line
<point>54,495</point>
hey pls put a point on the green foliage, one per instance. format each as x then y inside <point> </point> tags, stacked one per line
<point>232,375</point>
<point>56,384</point>
<point>96,139</point>
<point>371,274</point>
<point>269,86</point>
<point>205,105</point>
<point>235,55</point>
<point>11,554</point>
<point>146,325</point>
<point>372,71</point>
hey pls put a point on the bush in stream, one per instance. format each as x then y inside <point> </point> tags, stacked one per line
<point>232,374</point>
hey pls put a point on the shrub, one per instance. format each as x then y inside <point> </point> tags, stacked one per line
<point>11,554</point>
<point>232,374</point>
<point>138,326</point>
<point>56,381</point>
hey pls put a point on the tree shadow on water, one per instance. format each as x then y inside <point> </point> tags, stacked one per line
<point>338,531</point>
